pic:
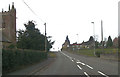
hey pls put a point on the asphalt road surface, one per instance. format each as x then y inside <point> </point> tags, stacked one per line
<point>71,64</point>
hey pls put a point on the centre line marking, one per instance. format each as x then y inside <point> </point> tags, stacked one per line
<point>79,62</point>
<point>72,60</point>
<point>86,74</point>
<point>89,66</point>
<point>102,74</point>
<point>79,67</point>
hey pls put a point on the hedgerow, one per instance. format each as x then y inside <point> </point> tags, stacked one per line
<point>12,59</point>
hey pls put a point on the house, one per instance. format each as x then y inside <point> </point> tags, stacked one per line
<point>76,46</point>
<point>115,42</point>
<point>89,43</point>
<point>83,45</point>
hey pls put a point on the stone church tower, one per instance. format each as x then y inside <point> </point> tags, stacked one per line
<point>9,24</point>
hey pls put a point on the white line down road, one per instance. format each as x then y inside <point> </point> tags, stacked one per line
<point>79,67</point>
<point>89,67</point>
<point>102,74</point>
<point>86,74</point>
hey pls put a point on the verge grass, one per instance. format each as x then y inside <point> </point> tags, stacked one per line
<point>90,52</point>
<point>52,54</point>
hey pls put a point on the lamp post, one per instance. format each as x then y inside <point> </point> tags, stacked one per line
<point>102,34</point>
<point>94,35</point>
<point>77,42</point>
<point>45,38</point>
<point>77,38</point>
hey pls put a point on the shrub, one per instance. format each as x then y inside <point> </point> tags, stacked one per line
<point>11,46</point>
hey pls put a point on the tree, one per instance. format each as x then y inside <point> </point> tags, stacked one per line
<point>31,38</point>
<point>109,42</point>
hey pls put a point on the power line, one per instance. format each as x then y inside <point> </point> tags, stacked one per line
<point>32,11</point>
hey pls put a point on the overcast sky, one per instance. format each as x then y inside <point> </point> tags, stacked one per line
<point>68,17</point>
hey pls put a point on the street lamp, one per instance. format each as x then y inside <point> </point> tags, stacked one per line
<point>78,38</point>
<point>94,35</point>
<point>45,38</point>
<point>77,42</point>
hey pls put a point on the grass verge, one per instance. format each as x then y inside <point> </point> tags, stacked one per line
<point>90,52</point>
<point>51,54</point>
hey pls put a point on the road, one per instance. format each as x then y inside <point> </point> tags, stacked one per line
<point>71,64</point>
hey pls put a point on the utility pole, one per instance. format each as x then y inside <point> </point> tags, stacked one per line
<point>94,35</point>
<point>102,34</point>
<point>45,38</point>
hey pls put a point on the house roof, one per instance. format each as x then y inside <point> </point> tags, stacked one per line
<point>88,42</point>
<point>76,44</point>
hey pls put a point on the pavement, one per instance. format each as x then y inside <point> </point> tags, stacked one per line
<point>71,64</point>
<point>30,70</point>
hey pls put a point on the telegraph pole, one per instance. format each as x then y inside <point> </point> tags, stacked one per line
<point>94,35</point>
<point>45,38</point>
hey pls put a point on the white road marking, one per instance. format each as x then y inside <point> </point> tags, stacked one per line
<point>79,67</point>
<point>72,60</point>
<point>86,74</point>
<point>102,73</point>
<point>70,57</point>
<point>67,56</point>
<point>89,66</point>
<point>81,63</point>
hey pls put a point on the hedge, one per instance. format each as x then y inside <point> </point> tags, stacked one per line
<point>12,59</point>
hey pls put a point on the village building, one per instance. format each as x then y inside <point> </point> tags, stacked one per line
<point>115,42</point>
<point>8,27</point>
<point>66,44</point>
<point>76,46</point>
